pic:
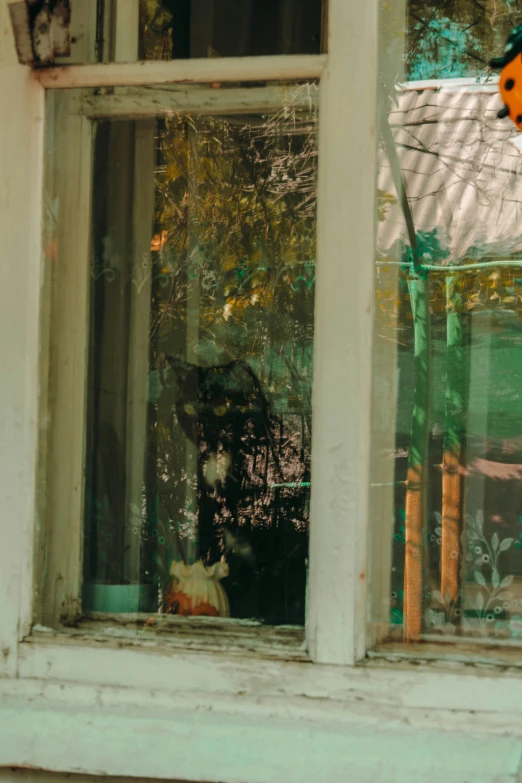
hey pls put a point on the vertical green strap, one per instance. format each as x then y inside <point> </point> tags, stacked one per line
<point>455,372</point>
<point>420,424</point>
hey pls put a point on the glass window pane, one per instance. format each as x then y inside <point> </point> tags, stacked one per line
<point>177,29</point>
<point>200,362</point>
<point>447,426</point>
<point>127,31</point>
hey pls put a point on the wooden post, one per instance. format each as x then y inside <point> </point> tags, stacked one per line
<point>453,452</point>
<point>192,335</point>
<point>417,479</point>
<point>383,463</point>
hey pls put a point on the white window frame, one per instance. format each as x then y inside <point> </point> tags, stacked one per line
<point>118,704</point>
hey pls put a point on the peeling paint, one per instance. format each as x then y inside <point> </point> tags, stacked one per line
<point>41,30</point>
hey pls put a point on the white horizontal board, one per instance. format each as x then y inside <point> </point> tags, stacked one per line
<point>225,69</point>
<point>171,99</point>
<point>165,737</point>
<point>429,691</point>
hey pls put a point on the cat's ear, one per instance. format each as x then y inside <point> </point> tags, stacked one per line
<point>186,374</point>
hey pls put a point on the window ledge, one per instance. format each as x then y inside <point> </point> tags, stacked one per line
<point>194,716</point>
<point>168,632</point>
<point>450,686</point>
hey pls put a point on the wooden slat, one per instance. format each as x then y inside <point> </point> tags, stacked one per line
<point>153,102</point>
<point>226,69</point>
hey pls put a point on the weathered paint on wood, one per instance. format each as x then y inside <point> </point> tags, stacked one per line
<point>275,740</point>
<point>341,403</point>
<point>224,69</point>
<point>21,157</point>
<point>157,101</point>
<point>41,30</point>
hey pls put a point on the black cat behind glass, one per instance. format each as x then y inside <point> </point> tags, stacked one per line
<point>199,398</point>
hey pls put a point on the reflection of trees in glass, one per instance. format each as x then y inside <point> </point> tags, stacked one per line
<point>156,23</point>
<point>172,29</point>
<point>233,264</point>
<point>229,288</point>
<point>447,38</point>
<point>456,176</point>
<point>456,303</point>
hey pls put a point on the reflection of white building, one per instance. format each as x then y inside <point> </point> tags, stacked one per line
<point>461,168</point>
<point>461,172</point>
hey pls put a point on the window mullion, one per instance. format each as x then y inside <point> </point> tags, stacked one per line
<point>69,197</point>
<point>126,30</point>
<point>67,200</point>
<point>342,352</point>
<point>20,280</point>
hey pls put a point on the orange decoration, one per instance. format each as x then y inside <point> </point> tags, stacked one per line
<point>196,590</point>
<point>413,556</point>
<point>451,526</point>
<point>182,604</point>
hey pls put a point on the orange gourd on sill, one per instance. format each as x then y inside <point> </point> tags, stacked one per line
<point>196,590</point>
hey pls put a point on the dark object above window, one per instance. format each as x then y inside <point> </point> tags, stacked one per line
<point>41,30</point>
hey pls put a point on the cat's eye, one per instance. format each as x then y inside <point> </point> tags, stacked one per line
<point>220,410</point>
<point>189,409</point>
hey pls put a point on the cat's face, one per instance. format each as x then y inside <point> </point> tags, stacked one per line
<point>214,402</point>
